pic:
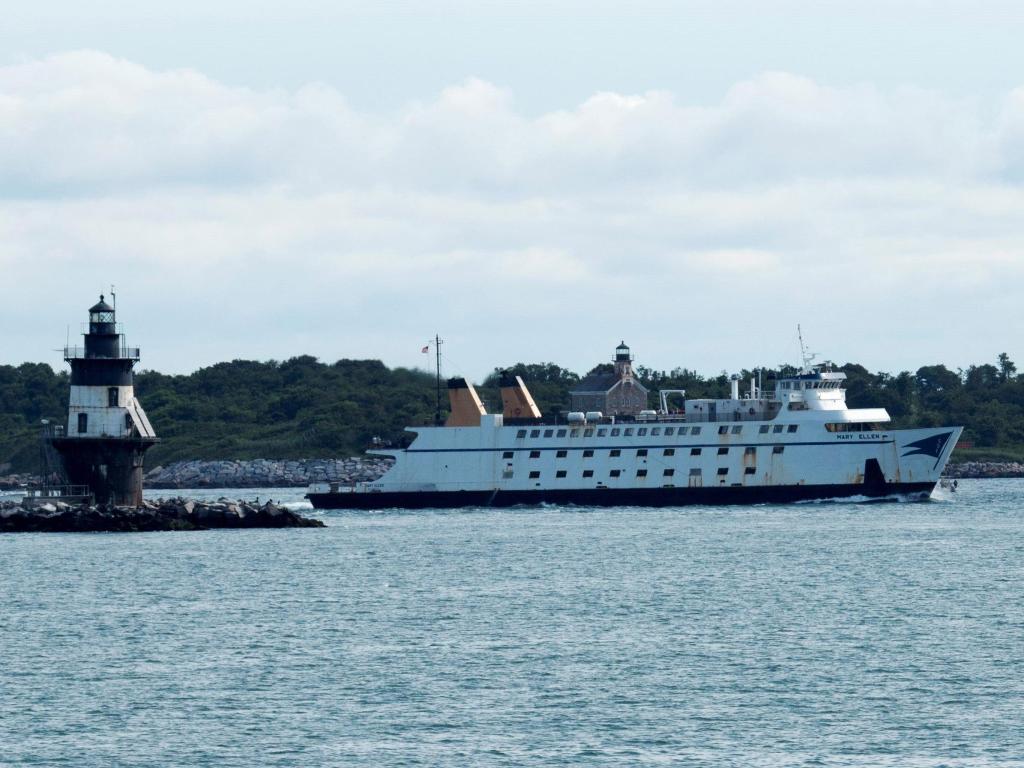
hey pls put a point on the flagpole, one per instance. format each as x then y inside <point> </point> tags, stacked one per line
<point>437,349</point>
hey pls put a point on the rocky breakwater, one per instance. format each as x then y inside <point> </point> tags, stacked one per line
<point>163,515</point>
<point>981,469</point>
<point>266,473</point>
<point>14,482</point>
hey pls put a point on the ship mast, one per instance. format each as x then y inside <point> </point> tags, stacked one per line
<point>805,356</point>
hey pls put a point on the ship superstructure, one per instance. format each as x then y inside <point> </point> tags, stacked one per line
<point>799,441</point>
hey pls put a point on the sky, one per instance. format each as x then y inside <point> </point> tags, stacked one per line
<point>532,181</point>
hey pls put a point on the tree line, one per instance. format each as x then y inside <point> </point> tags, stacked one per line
<point>304,408</point>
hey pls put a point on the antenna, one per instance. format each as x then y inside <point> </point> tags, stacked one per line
<point>113,296</point>
<point>807,357</point>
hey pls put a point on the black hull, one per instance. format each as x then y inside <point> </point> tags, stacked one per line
<point>612,497</point>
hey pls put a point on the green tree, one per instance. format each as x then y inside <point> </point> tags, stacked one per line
<point>1007,370</point>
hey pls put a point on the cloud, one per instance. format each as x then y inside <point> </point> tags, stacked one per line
<point>345,231</point>
<point>85,121</point>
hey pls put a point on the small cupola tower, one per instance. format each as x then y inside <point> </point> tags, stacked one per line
<point>108,432</point>
<point>623,361</point>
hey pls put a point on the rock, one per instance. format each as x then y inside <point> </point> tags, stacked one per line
<point>984,469</point>
<point>163,515</point>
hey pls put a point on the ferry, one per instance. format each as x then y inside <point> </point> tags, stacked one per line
<point>797,442</point>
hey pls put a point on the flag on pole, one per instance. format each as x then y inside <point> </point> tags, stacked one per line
<point>425,349</point>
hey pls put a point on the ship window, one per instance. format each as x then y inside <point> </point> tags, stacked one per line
<point>588,454</point>
<point>723,451</point>
<point>520,434</point>
<point>723,470</point>
<point>112,397</point>
<point>669,431</point>
<point>588,473</point>
<point>560,454</point>
<point>777,429</point>
<point>627,432</point>
<point>641,473</point>
<point>723,430</point>
<point>695,431</point>
<point>83,423</point>
<point>655,431</point>
<point>641,452</point>
<point>641,432</point>
<point>560,473</point>
<point>763,430</point>
<point>778,449</point>
<point>561,433</point>
<point>668,473</point>
<point>549,432</point>
<point>616,432</point>
<point>128,422</point>
<point>792,427</point>
<point>588,433</point>
<point>750,451</point>
<point>534,454</point>
<point>695,472</point>
<point>534,475</point>
<point>695,451</point>
<point>614,453</point>
<point>615,473</point>
<point>602,432</point>
<point>857,426</point>
<point>669,452</point>
<point>749,470</point>
<point>534,433</point>
<point>574,433</point>
<point>507,455</point>
<point>737,430</point>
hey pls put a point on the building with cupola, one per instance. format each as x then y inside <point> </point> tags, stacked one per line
<point>108,433</point>
<point>614,392</point>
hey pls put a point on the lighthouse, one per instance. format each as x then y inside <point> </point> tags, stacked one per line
<point>108,432</point>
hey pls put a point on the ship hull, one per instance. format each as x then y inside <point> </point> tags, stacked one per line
<point>619,497</point>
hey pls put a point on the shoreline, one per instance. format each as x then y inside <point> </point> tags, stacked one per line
<point>981,470</point>
<point>266,473</point>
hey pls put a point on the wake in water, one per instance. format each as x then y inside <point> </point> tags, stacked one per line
<point>895,498</point>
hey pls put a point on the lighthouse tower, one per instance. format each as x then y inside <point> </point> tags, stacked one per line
<point>108,432</point>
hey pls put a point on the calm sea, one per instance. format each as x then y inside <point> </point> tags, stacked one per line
<point>816,634</point>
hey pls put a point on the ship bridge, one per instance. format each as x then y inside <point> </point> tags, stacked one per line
<point>812,390</point>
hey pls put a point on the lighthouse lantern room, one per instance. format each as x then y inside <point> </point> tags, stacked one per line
<point>108,432</point>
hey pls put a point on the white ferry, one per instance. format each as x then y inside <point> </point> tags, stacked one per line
<point>798,442</point>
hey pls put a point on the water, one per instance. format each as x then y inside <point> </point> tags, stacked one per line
<point>815,634</point>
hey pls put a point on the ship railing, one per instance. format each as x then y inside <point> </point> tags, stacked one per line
<point>759,414</point>
<point>79,353</point>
